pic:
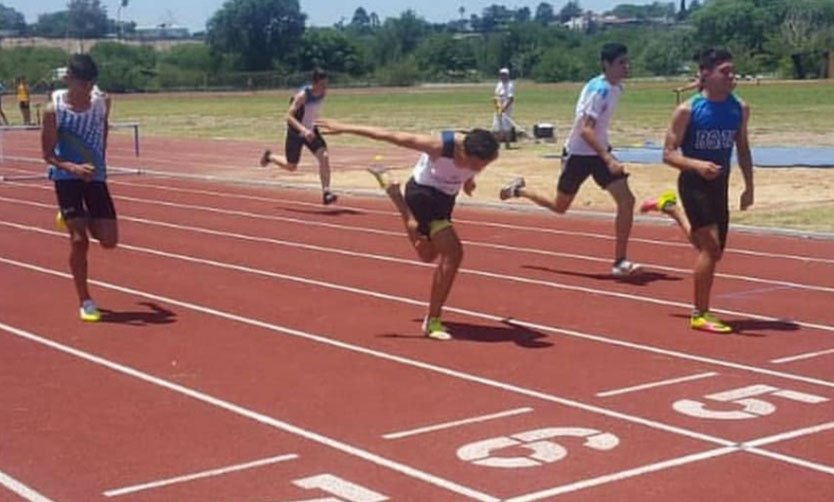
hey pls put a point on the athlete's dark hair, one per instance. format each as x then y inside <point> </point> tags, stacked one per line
<point>319,74</point>
<point>82,67</point>
<point>480,143</point>
<point>712,57</point>
<point>612,51</point>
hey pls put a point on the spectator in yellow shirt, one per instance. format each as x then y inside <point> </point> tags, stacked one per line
<point>23,98</point>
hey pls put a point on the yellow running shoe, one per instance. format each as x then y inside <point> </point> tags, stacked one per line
<point>89,312</point>
<point>435,330</point>
<point>707,321</point>
<point>380,175</point>
<point>666,199</point>
<point>59,221</point>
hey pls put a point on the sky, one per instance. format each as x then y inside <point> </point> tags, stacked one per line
<point>193,14</point>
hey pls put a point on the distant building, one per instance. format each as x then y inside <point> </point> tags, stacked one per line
<point>161,32</point>
<point>583,22</point>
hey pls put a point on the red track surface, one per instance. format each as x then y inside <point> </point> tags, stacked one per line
<point>248,324</point>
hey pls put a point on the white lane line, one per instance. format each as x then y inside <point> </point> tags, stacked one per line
<point>750,252</point>
<point>784,436</point>
<point>20,489</point>
<point>330,340</point>
<point>619,476</point>
<point>116,492</point>
<point>348,228</point>
<point>660,383</point>
<point>456,423</point>
<point>799,357</point>
<point>480,273</point>
<point>807,464</point>
<point>466,312</point>
<point>245,412</point>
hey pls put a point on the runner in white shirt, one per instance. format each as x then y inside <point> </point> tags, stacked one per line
<point>588,153</point>
<point>504,97</point>
<point>448,163</point>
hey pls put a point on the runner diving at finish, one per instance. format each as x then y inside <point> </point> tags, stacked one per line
<point>448,164</point>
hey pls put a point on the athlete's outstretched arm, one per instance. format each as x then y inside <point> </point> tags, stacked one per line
<point>745,159</point>
<point>431,145</point>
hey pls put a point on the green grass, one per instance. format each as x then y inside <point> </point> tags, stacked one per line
<point>783,112</point>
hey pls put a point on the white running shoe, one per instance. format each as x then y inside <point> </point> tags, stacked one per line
<point>625,268</point>
<point>511,189</point>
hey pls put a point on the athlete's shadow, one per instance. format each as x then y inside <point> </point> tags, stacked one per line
<point>639,279</point>
<point>754,327</point>
<point>506,332</point>
<point>154,315</point>
<point>324,211</point>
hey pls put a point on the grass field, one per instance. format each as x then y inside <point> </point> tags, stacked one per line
<point>784,113</point>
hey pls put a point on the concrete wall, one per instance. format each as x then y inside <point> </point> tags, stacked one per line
<point>74,45</point>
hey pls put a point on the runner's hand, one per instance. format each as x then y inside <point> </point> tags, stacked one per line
<point>708,170</point>
<point>469,187</point>
<point>615,166</point>
<point>83,171</point>
<point>746,199</point>
<point>328,127</point>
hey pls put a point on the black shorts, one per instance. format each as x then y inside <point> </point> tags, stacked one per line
<point>24,105</point>
<point>82,199</point>
<point>294,142</point>
<point>577,168</point>
<point>428,204</point>
<point>706,202</point>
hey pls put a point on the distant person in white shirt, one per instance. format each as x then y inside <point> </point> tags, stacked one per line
<point>504,97</point>
<point>589,154</point>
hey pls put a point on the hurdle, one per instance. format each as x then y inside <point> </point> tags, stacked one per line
<point>129,125</point>
<point>42,176</point>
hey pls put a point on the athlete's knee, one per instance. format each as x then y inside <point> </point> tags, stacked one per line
<point>626,202</point>
<point>109,242</point>
<point>562,202</point>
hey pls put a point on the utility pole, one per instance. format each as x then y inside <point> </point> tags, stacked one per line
<point>123,3</point>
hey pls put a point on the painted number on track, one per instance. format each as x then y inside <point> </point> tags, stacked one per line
<point>342,490</point>
<point>745,398</point>
<point>540,443</point>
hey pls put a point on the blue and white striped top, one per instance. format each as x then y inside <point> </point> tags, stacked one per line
<point>80,136</point>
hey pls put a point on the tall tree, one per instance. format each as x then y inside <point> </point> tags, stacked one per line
<point>10,19</point>
<point>360,21</point>
<point>86,19</point>
<point>544,13</point>
<point>256,32</point>
<point>570,10</point>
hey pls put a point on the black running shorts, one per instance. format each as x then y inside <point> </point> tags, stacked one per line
<point>428,204</point>
<point>706,202</point>
<point>294,142</point>
<point>82,199</point>
<point>579,167</point>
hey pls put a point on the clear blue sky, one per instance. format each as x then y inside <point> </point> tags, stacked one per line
<point>193,14</point>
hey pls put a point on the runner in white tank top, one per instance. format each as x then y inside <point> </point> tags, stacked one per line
<point>447,164</point>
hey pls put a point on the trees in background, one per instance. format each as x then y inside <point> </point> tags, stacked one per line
<point>266,43</point>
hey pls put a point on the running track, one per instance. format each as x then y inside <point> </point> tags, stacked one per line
<point>260,347</point>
